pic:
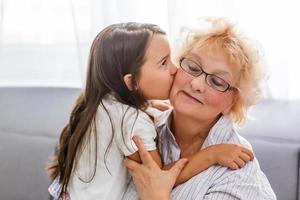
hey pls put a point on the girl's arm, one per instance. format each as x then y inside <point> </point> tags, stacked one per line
<point>154,154</point>
<point>151,182</point>
<point>232,156</point>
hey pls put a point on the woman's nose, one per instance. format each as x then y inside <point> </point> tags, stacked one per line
<point>199,83</point>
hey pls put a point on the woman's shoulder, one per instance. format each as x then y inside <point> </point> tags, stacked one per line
<point>224,132</point>
<point>235,138</point>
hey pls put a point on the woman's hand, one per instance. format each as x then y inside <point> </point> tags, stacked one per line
<point>233,156</point>
<point>150,181</point>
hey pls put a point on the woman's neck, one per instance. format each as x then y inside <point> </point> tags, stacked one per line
<point>190,133</point>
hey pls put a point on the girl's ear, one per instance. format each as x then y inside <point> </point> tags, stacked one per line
<point>128,81</point>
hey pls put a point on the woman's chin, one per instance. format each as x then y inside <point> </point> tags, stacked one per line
<point>184,107</point>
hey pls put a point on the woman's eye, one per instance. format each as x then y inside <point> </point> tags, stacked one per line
<point>193,68</point>
<point>217,81</point>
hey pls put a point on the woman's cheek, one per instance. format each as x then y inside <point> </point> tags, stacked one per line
<point>181,78</point>
<point>213,99</point>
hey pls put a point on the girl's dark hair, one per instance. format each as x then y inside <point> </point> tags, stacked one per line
<point>117,50</point>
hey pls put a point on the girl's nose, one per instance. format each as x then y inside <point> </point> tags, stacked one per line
<point>172,68</point>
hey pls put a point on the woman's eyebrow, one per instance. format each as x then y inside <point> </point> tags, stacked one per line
<point>163,58</point>
<point>221,72</point>
<point>198,60</point>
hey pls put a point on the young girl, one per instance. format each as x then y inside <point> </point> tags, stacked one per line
<point>129,63</point>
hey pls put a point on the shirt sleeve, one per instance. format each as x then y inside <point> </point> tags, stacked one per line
<point>136,122</point>
<point>246,183</point>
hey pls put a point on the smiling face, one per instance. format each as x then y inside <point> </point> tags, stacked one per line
<point>157,73</point>
<point>193,97</point>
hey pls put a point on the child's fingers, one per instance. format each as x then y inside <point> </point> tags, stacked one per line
<point>245,157</point>
<point>233,166</point>
<point>249,152</point>
<point>167,103</point>
<point>144,154</point>
<point>240,162</point>
<point>162,107</point>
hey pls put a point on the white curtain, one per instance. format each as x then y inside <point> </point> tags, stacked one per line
<point>46,42</point>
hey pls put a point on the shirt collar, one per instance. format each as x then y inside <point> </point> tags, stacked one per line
<point>163,126</point>
<point>220,132</point>
<point>164,119</point>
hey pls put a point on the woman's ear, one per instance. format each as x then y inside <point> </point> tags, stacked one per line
<point>128,81</point>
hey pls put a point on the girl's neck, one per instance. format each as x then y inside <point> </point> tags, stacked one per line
<point>190,133</point>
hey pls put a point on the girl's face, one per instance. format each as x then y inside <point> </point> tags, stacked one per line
<point>157,73</point>
<point>192,96</point>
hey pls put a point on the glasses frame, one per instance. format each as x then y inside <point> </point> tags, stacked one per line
<point>201,71</point>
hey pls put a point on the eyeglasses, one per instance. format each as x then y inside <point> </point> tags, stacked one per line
<point>211,80</point>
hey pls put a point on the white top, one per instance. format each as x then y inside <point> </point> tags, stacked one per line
<point>216,182</point>
<point>111,179</point>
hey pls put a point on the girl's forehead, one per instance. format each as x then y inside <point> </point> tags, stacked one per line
<point>158,44</point>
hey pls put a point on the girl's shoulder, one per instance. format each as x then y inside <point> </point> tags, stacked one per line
<point>118,109</point>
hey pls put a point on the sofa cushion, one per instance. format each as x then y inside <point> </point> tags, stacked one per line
<point>279,161</point>
<point>274,132</point>
<point>40,111</point>
<point>23,160</point>
<point>31,120</point>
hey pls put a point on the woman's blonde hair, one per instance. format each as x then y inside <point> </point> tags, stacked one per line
<point>221,35</point>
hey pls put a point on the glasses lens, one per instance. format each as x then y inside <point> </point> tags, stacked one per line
<point>217,83</point>
<point>195,70</point>
<point>191,67</point>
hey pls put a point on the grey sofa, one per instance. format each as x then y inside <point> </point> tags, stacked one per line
<point>275,137</point>
<point>30,123</point>
<point>31,120</point>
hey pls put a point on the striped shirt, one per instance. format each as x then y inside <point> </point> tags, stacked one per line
<point>216,182</point>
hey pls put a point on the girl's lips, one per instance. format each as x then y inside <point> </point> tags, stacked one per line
<point>191,97</point>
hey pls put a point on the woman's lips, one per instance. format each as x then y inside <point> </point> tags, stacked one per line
<point>191,97</point>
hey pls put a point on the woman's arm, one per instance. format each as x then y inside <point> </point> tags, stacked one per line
<point>151,182</point>
<point>232,156</point>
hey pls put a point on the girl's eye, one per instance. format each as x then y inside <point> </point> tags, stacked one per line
<point>164,63</point>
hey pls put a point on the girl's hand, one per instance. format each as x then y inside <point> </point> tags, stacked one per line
<point>233,156</point>
<point>150,181</point>
<point>160,105</point>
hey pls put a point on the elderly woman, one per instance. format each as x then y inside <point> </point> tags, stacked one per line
<point>218,80</point>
